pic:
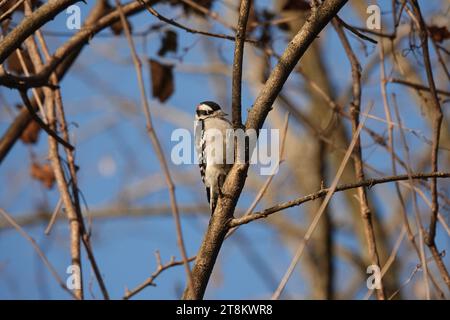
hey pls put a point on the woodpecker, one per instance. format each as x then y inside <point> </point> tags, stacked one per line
<point>213,140</point>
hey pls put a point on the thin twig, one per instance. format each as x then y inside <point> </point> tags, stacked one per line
<point>54,216</point>
<point>269,179</point>
<point>75,234</point>
<point>187,29</point>
<point>355,106</point>
<point>323,192</point>
<point>420,248</point>
<point>52,133</point>
<point>436,127</point>
<point>212,14</point>
<point>156,144</point>
<point>355,31</point>
<point>41,254</point>
<point>418,86</point>
<point>151,280</point>
<point>34,90</point>
<point>11,10</point>
<point>236,87</point>
<point>71,161</point>
<point>390,259</point>
<point>304,241</point>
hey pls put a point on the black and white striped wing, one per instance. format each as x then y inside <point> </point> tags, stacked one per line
<point>200,146</point>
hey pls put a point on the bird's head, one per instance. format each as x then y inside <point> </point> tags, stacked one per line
<point>207,109</point>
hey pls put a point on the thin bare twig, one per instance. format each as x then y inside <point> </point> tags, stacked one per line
<point>11,10</point>
<point>187,29</point>
<point>41,254</point>
<point>52,133</point>
<point>54,216</point>
<point>323,192</point>
<point>75,233</point>
<point>269,179</point>
<point>236,87</point>
<point>85,237</point>
<point>151,280</point>
<point>212,14</point>
<point>312,227</point>
<point>355,107</point>
<point>156,145</point>
<point>418,86</point>
<point>436,126</point>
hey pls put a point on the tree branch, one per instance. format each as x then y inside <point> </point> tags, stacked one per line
<point>96,21</point>
<point>321,193</point>
<point>187,29</point>
<point>151,280</point>
<point>38,120</point>
<point>36,247</point>
<point>26,28</point>
<point>355,108</point>
<point>235,181</point>
<point>157,145</point>
<point>237,64</point>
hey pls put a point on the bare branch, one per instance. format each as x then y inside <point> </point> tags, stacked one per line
<point>355,108</point>
<point>157,145</point>
<point>237,63</point>
<point>321,193</point>
<point>187,29</point>
<point>234,183</point>
<point>41,254</point>
<point>26,28</point>
<point>151,280</point>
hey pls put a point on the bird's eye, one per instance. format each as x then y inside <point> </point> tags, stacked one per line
<point>203,112</point>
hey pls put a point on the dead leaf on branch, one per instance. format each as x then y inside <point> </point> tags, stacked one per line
<point>31,133</point>
<point>162,80</point>
<point>187,9</point>
<point>169,43</point>
<point>116,27</point>
<point>43,173</point>
<point>439,34</point>
<point>300,5</point>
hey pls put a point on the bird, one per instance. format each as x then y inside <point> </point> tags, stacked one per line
<point>211,120</point>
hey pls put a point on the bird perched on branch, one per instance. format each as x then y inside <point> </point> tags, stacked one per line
<point>213,141</point>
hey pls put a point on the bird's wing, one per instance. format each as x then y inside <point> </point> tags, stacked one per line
<point>200,147</point>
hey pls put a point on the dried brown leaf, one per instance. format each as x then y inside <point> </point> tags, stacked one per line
<point>300,5</point>
<point>188,9</point>
<point>116,27</point>
<point>439,34</point>
<point>31,133</point>
<point>162,80</point>
<point>169,43</point>
<point>43,173</point>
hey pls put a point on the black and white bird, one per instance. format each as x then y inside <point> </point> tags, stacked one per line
<point>210,122</point>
